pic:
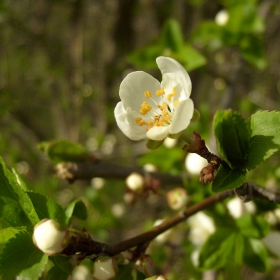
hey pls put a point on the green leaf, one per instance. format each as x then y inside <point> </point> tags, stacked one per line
<point>125,272</point>
<point>76,208</point>
<point>255,255</point>
<point>46,207</point>
<point>220,248</point>
<point>232,137</point>
<point>265,137</point>
<point>153,145</point>
<point>172,36</point>
<point>253,226</point>
<point>145,58</point>
<point>228,179</point>
<point>63,263</point>
<point>21,257</point>
<point>64,150</point>
<point>8,233</point>
<point>57,274</point>
<point>190,58</point>
<point>16,207</point>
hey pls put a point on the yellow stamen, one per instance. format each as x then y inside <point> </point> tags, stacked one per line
<point>147,94</point>
<point>176,102</point>
<point>169,96</point>
<point>174,91</point>
<point>160,92</point>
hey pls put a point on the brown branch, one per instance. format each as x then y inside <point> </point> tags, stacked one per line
<point>80,171</point>
<point>86,246</point>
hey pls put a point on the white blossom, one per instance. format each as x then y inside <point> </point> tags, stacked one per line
<point>177,198</point>
<point>135,182</point>
<point>154,110</point>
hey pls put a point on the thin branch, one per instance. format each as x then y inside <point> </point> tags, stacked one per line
<point>86,246</point>
<point>87,170</point>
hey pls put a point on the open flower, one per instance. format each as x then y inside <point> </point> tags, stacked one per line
<point>154,110</point>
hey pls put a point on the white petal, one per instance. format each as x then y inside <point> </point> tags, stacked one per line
<point>127,124</point>
<point>158,133</point>
<point>170,65</point>
<point>182,116</point>
<point>133,87</point>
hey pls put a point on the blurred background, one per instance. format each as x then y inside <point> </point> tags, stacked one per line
<point>61,64</point>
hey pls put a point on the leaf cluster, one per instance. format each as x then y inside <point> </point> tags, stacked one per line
<point>243,145</point>
<point>20,211</point>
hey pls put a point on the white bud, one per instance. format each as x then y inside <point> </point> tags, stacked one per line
<point>104,268</point>
<point>156,277</point>
<point>177,198</point>
<point>194,163</point>
<point>222,18</point>
<point>81,272</point>
<point>50,236</point>
<point>135,182</point>
<point>170,143</point>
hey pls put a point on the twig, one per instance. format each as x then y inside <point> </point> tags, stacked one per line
<point>80,171</point>
<point>86,246</point>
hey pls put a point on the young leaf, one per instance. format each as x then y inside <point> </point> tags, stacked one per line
<point>47,207</point>
<point>252,226</point>
<point>21,258</point>
<point>265,137</point>
<point>232,137</point>
<point>76,208</point>
<point>64,150</point>
<point>172,36</point>
<point>16,207</point>
<point>228,179</point>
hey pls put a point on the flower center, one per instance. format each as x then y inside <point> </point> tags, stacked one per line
<point>161,116</point>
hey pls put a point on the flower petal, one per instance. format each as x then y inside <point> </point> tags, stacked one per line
<point>158,133</point>
<point>170,65</point>
<point>182,116</point>
<point>126,122</point>
<point>133,87</point>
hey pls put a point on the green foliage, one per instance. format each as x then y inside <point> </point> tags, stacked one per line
<point>227,178</point>
<point>46,207</point>
<point>77,209</point>
<point>232,137</point>
<point>21,257</point>
<point>64,150</point>
<point>238,245</point>
<point>15,205</point>
<point>243,145</point>
<point>265,137</point>
<point>170,43</point>
<point>129,273</point>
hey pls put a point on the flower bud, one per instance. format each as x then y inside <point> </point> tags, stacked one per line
<point>156,277</point>
<point>135,182</point>
<point>177,198</point>
<point>104,268</point>
<point>50,236</point>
